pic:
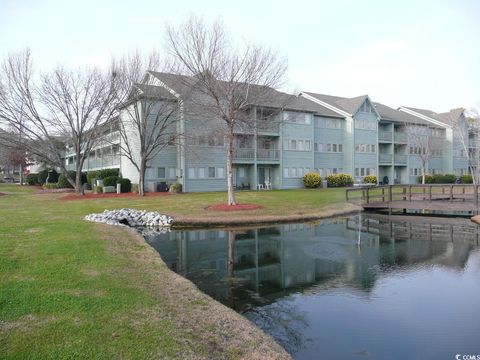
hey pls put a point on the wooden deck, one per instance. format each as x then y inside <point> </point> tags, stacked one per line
<point>447,198</point>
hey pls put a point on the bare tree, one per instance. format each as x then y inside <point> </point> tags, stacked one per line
<point>232,78</point>
<point>468,135</point>
<point>148,118</point>
<point>423,145</point>
<point>62,104</point>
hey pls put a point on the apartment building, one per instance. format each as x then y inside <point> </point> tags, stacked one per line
<point>294,135</point>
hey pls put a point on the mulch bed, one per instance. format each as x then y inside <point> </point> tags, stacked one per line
<point>238,207</point>
<point>111,195</point>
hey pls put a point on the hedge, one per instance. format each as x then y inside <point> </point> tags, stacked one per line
<point>42,176</point>
<point>101,175</point>
<point>312,180</point>
<point>32,179</point>
<point>63,182</point>
<point>338,180</point>
<point>125,185</point>
<point>110,181</point>
<point>370,179</point>
<point>52,177</point>
<point>466,179</point>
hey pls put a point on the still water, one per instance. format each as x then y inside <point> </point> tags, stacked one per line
<point>362,287</point>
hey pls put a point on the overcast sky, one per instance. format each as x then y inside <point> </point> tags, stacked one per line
<point>423,53</point>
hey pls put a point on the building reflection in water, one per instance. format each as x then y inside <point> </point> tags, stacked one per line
<point>247,268</point>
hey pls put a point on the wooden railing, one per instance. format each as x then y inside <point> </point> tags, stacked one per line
<point>415,193</point>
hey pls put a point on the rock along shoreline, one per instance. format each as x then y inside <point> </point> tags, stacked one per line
<point>131,218</point>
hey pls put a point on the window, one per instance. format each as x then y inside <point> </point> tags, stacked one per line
<point>293,144</point>
<point>307,145</point>
<point>241,172</point>
<point>334,147</point>
<point>293,172</point>
<point>297,117</point>
<point>161,172</point>
<point>300,145</point>
<point>191,173</point>
<point>285,172</point>
<point>201,173</point>
<point>220,172</point>
<point>340,148</point>
<point>172,172</point>
<point>211,172</point>
<point>319,122</point>
<point>329,147</point>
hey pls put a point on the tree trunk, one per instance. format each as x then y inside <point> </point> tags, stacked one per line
<point>21,174</point>
<point>78,182</point>
<point>141,179</point>
<point>230,190</point>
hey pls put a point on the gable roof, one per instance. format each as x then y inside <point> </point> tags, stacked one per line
<point>348,105</point>
<point>183,84</point>
<point>304,104</point>
<point>390,114</point>
<point>449,118</point>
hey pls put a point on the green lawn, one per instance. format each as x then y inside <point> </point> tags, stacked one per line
<point>73,289</point>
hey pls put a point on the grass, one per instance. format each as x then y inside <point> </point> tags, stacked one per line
<point>73,289</point>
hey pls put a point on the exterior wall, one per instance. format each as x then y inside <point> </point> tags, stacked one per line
<point>296,159</point>
<point>365,136</point>
<point>324,160</point>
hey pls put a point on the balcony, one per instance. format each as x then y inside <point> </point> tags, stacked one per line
<point>400,137</point>
<point>244,154</point>
<point>385,135</point>
<point>269,127</point>
<point>248,154</point>
<point>268,155</point>
<point>385,158</point>
<point>400,159</point>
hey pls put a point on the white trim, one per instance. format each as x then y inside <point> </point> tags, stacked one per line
<point>324,104</point>
<point>158,82</point>
<point>424,117</point>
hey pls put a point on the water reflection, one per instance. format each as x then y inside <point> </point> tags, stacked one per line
<point>269,273</point>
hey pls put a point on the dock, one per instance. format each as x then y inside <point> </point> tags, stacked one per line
<point>431,197</point>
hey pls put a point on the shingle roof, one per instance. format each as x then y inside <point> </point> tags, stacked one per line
<point>350,105</point>
<point>304,104</point>
<point>155,91</point>
<point>268,97</point>
<point>449,118</point>
<point>390,114</point>
<point>181,84</point>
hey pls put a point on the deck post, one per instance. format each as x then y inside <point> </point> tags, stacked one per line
<point>404,192</point>
<point>409,192</point>
<point>430,193</point>
<point>383,194</point>
<point>390,197</point>
<point>475,199</point>
<point>368,195</point>
<point>451,193</point>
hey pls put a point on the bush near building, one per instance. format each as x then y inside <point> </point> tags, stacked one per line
<point>125,185</point>
<point>101,175</point>
<point>466,179</point>
<point>110,181</point>
<point>370,179</point>
<point>32,179</point>
<point>339,180</point>
<point>312,180</point>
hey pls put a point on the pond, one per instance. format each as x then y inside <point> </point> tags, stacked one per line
<point>364,286</point>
